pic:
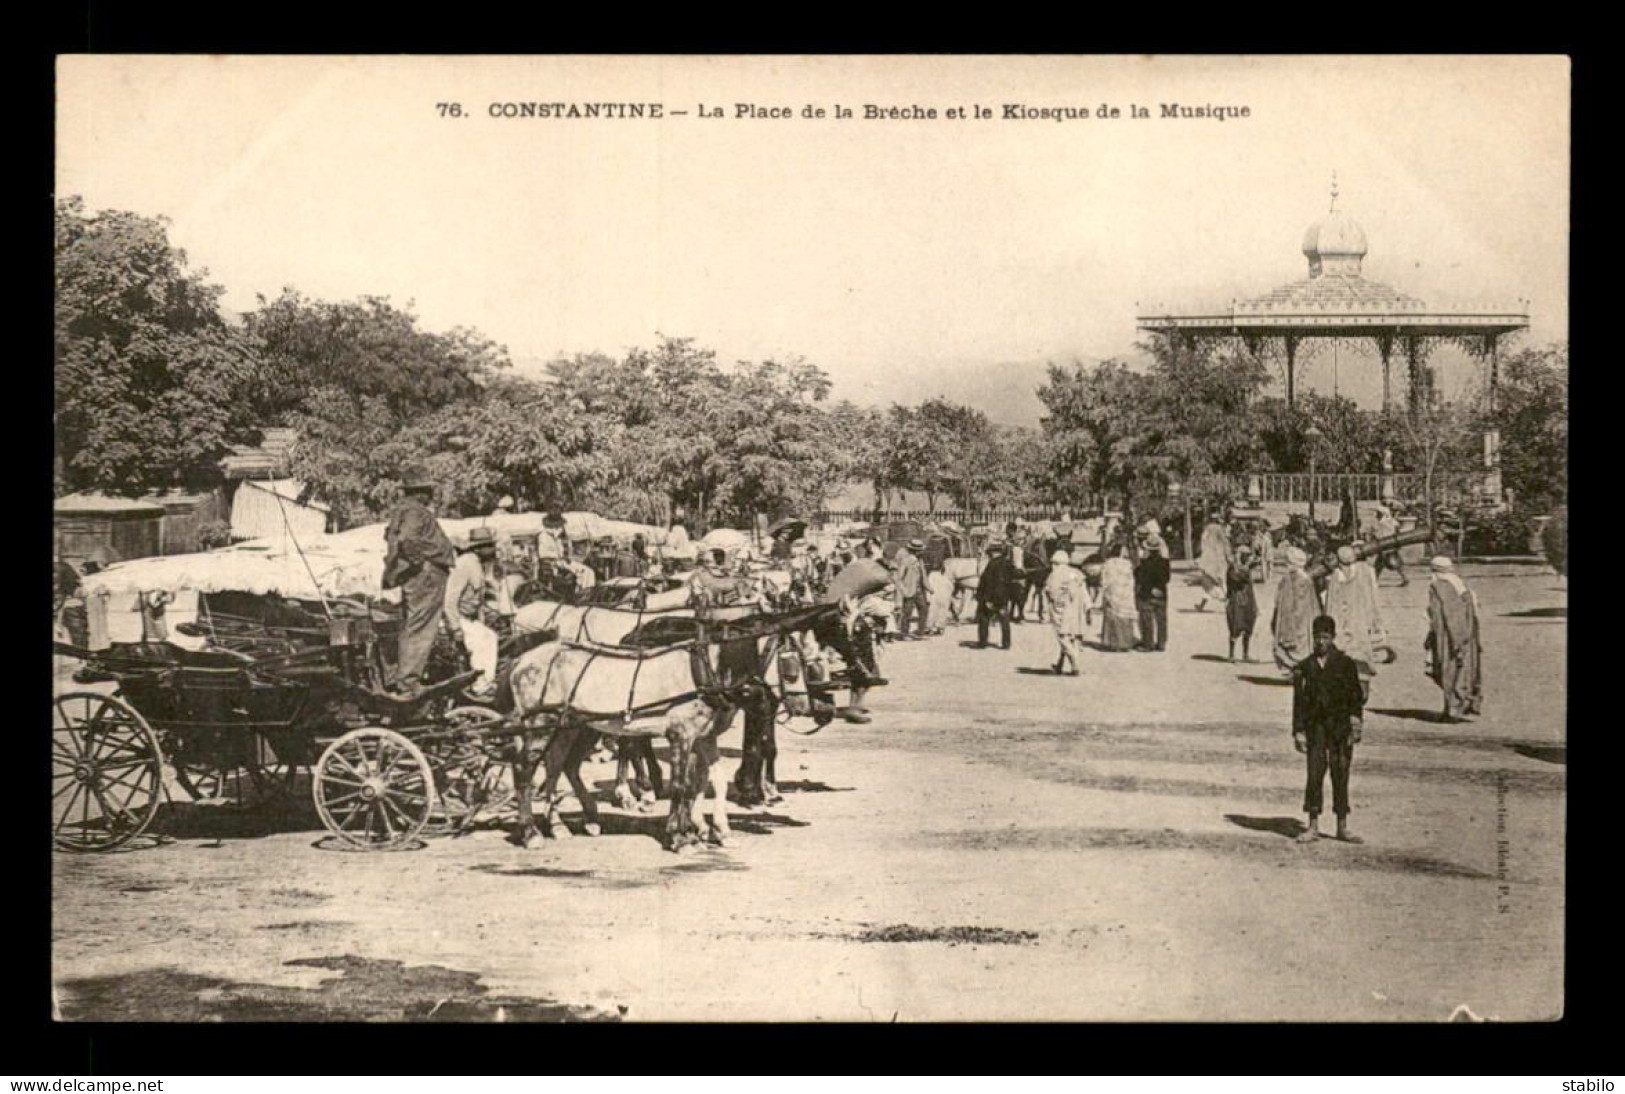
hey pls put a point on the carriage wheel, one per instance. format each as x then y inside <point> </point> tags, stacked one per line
<point>106,772</point>
<point>465,777</point>
<point>374,789</point>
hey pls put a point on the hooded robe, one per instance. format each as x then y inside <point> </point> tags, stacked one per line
<point>1453,646</point>
<point>1295,609</point>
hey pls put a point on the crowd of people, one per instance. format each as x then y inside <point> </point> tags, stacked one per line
<point>1327,630</point>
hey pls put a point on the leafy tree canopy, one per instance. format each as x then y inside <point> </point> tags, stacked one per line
<point>149,375</point>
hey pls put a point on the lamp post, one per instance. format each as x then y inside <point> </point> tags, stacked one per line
<point>1312,436</point>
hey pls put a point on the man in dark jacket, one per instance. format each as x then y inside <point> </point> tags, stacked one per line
<point>1151,594</point>
<point>997,590</point>
<point>1326,710</point>
<point>418,562</point>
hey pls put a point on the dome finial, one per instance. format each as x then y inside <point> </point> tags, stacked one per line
<point>1333,209</point>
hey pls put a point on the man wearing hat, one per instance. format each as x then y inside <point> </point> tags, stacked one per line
<point>464,605</point>
<point>418,561</point>
<point>908,576</point>
<point>1151,594</point>
<point>997,589</point>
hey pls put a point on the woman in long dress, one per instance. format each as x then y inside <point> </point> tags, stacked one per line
<point>1068,596</point>
<point>1117,602</point>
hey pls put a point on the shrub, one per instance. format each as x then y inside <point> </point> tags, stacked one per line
<point>1503,534</point>
<point>1555,540</point>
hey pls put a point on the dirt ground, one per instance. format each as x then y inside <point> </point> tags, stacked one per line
<point>999,844</point>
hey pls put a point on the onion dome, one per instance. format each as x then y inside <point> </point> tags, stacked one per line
<point>1334,244</point>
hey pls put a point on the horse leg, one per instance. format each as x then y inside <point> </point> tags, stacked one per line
<point>559,747</point>
<point>748,788</point>
<point>769,735</point>
<point>710,773</point>
<point>572,771</point>
<point>649,773</point>
<point>524,772</point>
<point>624,761</point>
<point>684,729</point>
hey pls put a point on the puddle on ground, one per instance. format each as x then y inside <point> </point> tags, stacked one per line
<point>365,990</point>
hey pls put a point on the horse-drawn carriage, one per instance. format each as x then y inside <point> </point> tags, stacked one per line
<point>275,689</point>
<point>282,684</point>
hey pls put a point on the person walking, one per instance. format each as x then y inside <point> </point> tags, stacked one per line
<point>1240,606</point>
<point>1327,705</point>
<point>1117,601</point>
<point>1351,601</point>
<point>1068,595</point>
<point>1151,594</point>
<point>1214,562</point>
<point>418,561</point>
<point>1387,527</point>
<point>909,577</point>
<point>999,587</point>
<point>940,591</point>
<point>1454,654</point>
<point>1295,610</point>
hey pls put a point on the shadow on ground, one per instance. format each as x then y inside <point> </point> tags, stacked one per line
<point>227,820</point>
<point>1436,717</point>
<point>1290,827</point>
<point>1275,852</point>
<point>365,990</point>
<point>1552,754</point>
<point>1538,613</point>
<point>1266,681</point>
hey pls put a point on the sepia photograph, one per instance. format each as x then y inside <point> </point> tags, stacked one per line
<point>846,539</point>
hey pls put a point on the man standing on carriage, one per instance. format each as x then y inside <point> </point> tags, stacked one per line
<point>418,562</point>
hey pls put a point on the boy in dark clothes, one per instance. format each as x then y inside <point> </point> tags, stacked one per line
<point>1326,710</point>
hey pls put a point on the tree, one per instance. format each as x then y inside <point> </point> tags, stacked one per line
<point>1201,414</point>
<point>370,350</point>
<point>354,379</point>
<point>1096,428</point>
<point>1439,439</point>
<point>1532,413</point>
<point>149,376</point>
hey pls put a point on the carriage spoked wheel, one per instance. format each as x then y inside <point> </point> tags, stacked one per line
<point>466,778</point>
<point>374,789</point>
<point>106,772</point>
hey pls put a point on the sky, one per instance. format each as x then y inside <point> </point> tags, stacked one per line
<point>907,257</point>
